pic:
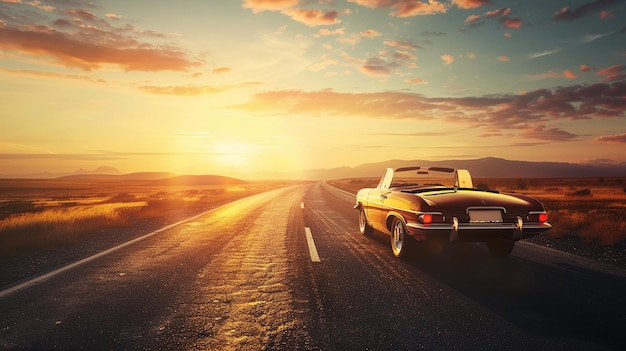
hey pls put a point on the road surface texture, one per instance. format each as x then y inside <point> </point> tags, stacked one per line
<point>288,270</point>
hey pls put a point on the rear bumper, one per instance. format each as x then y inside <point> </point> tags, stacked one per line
<point>477,232</point>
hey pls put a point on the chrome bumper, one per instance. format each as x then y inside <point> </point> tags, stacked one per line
<point>455,228</point>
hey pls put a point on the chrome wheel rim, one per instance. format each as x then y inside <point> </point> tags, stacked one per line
<point>362,221</point>
<point>398,236</point>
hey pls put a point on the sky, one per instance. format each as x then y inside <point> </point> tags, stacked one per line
<point>243,87</point>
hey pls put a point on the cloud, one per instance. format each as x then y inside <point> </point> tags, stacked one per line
<point>220,70</point>
<point>269,5</point>
<point>355,38</point>
<point>281,29</point>
<point>612,139</point>
<point>370,33</point>
<point>189,90</point>
<point>403,56</point>
<point>416,134</point>
<point>314,18</point>
<point>79,38</point>
<point>323,65</point>
<point>113,16</point>
<point>47,156</point>
<point>416,81</point>
<point>39,5</point>
<point>324,32</point>
<point>605,15</point>
<point>14,148</point>
<point>512,22</point>
<point>471,4</point>
<point>71,52</point>
<point>401,44</point>
<point>531,115</point>
<point>613,73</point>
<point>192,90</point>
<point>569,14</point>
<point>99,155</point>
<point>384,64</point>
<point>569,74</point>
<point>82,14</point>
<point>588,38</point>
<point>310,17</point>
<point>45,74</point>
<point>502,12</point>
<point>503,58</point>
<point>542,54</point>
<point>502,15</point>
<point>405,8</point>
<point>377,67</point>
<point>472,19</point>
<point>447,59</point>
<point>551,134</point>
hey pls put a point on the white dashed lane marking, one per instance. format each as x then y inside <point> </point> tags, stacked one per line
<point>315,257</point>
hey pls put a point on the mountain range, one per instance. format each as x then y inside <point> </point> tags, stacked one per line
<point>489,167</point>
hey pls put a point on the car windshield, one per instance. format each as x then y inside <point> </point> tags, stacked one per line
<point>423,177</point>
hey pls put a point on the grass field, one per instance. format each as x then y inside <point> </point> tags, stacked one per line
<point>43,214</point>
<point>593,209</point>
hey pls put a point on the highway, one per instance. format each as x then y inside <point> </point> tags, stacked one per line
<point>288,270</point>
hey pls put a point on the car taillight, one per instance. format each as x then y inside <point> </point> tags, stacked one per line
<point>538,217</point>
<point>428,218</point>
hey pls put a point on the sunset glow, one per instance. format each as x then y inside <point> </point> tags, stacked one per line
<point>243,87</point>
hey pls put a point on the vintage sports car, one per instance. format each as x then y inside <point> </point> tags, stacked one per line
<point>416,204</point>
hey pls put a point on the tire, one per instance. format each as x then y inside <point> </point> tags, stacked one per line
<point>364,227</point>
<point>500,248</point>
<point>400,241</point>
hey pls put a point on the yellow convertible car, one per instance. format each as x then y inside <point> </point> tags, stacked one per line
<point>415,204</point>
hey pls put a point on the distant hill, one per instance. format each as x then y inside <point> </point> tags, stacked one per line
<point>130,176</point>
<point>199,180</point>
<point>488,167</point>
<point>100,171</point>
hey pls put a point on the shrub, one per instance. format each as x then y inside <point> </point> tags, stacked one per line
<point>581,192</point>
<point>482,186</point>
<point>18,206</point>
<point>59,226</point>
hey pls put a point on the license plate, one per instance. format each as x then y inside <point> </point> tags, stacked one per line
<point>485,216</point>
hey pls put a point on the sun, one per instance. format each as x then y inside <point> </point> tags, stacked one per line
<point>234,153</point>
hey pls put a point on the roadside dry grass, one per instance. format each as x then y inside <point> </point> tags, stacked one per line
<point>44,214</point>
<point>592,209</point>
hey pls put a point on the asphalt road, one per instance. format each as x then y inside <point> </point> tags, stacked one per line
<point>288,270</point>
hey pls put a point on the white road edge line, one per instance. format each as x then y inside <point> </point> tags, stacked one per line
<point>49,275</point>
<point>315,257</point>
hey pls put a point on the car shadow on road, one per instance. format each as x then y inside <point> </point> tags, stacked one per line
<point>548,300</point>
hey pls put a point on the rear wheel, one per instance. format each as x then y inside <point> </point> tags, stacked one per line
<point>400,241</point>
<point>364,227</point>
<point>500,248</point>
